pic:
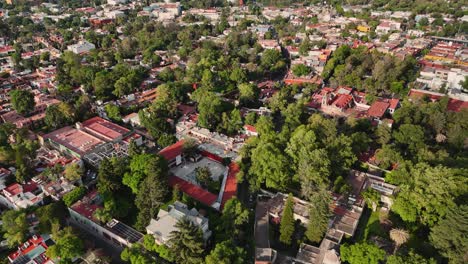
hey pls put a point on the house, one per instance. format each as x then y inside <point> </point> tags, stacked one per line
<point>35,118</point>
<point>132,119</point>
<point>386,26</point>
<point>20,196</point>
<point>116,2</point>
<point>250,130</point>
<point>377,110</point>
<point>363,28</point>
<point>81,47</point>
<point>269,44</point>
<point>276,205</point>
<point>114,231</point>
<point>32,251</point>
<point>173,153</point>
<point>166,221</point>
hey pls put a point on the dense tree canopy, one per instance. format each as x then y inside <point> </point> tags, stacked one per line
<point>22,101</point>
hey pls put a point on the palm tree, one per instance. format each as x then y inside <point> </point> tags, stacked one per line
<point>187,241</point>
<point>399,236</point>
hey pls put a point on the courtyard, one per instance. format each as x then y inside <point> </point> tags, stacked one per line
<point>186,170</point>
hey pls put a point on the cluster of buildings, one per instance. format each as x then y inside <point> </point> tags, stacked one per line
<point>346,211</point>
<point>443,63</point>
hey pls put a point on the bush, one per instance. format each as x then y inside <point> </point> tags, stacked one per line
<point>73,196</point>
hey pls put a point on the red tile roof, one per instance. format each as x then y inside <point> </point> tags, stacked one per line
<point>172,151</point>
<point>378,109</point>
<point>250,128</point>
<point>453,105</point>
<point>230,190</point>
<point>393,103</point>
<point>14,189</point>
<point>86,207</point>
<point>193,190</point>
<point>28,247</point>
<point>343,100</point>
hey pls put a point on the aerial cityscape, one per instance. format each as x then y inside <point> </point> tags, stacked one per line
<point>234,131</point>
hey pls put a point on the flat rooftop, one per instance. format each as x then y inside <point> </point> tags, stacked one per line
<point>104,129</point>
<point>76,140</point>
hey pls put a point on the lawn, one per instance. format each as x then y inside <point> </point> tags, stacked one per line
<point>369,226</point>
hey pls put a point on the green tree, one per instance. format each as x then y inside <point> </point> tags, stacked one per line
<point>209,107</point>
<point>233,220</point>
<point>384,134</point>
<point>103,85</point>
<point>372,198</point>
<point>411,258</point>
<point>226,253</point>
<point>138,171</point>
<point>74,195</point>
<point>449,235</point>
<point>113,112</point>
<point>22,101</point>
<point>154,191</point>
<point>15,227</point>
<point>134,255</point>
<point>362,253</point>
<point>187,241</point>
<point>424,21</point>
<point>409,136</point>
<point>59,115</point>
<point>123,86</point>
<point>319,215</point>
<point>67,246</point>
<point>73,172</point>
<point>301,70</point>
<point>272,61</point>
<point>248,93</point>
<point>287,221</point>
<point>270,166</point>
<point>51,215</point>
<point>203,175</point>
<point>102,215</point>
<point>428,194</point>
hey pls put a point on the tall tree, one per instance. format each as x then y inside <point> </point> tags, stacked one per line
<point>450,237</point>
<point>233,220</point>
<point>270,166</point>
<point>138,171</point>
<point>22,101</point>
<point>154,191</point>
<point>287,224</point>
<point>319,215</point>
<point>187,241</point>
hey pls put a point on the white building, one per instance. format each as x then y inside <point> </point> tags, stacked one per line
<point>113,232</point>
<point>17,196</point>
<point>81,47</point>
<point>165,223</point>
<point>116,2</point>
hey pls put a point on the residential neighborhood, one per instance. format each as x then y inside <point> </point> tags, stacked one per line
<point>233,131</point>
